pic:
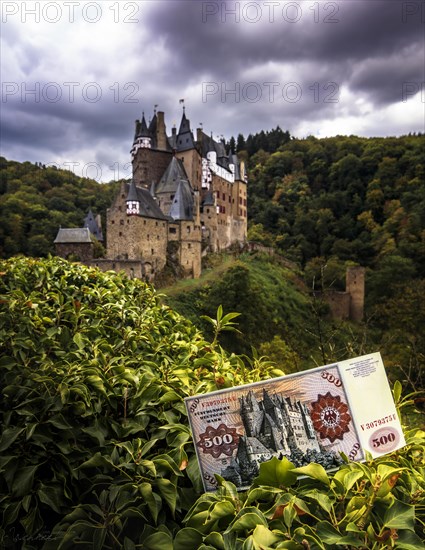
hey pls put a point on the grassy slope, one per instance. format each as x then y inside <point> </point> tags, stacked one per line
<point>276,301</point>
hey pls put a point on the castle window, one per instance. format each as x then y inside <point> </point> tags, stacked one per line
<point>144,222</point>
<point>148,237</point>
<point>189,245</point>
<point>153,251</point>
<point>121,222</point>
<point>120,233</point>
<point>188,229</point>
<point>173,230</point>
<point>156,224</point>
<point>224,196</point>
<point>112,222</point>
<point>208,210</point>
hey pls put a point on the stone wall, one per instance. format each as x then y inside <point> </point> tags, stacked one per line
<point>82,252</point>
<point>149,165</point>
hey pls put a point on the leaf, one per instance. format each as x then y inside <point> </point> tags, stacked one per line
<point>397,391</point>
<point>78,339</point>
<point>53,496</point>
<point>276,473</point>
<point>385,471</point>
<point>168,492</point>
<point>247,519</point>
<point>23,481</point>
<point>322,499</point>
<point>260,493</point>
<point>147,493</point>
<point>316,471</point>
<point>351,478</point>
<point>216,540</point>
<point>329,535</point>
<point>407,540</point>
<point>9,436</point>
<point>400,516</point>
<point>222,509</point>
<point>263,538</point>
<point>188,538</point>
<point>158,541</point>
<point>96,461</point>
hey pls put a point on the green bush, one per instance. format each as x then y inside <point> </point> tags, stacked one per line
<point>95,448</point>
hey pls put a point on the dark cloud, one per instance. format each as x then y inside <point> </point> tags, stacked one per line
<point>338,34</point>
<point>348,58</point>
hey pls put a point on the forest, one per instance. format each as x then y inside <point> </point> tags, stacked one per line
<point>323,204</point>
<point>95,445</point>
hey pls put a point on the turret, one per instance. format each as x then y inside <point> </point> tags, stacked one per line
<point>142,138</point>
<point>132,201</point>
<point>185,136</point>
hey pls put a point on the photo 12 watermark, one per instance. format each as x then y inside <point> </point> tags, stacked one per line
<point>411,89</point>
<point>413,12</point>
<point>271,92</point>
<point>69,11</point>
<point>69,92</point>
<point>269,12</point>
<point>93,170</point>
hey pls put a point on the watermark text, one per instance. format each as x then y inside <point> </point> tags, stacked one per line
<point>54,92</point>
<point>410,89</point>
<point>271,92</point>
<point>269,11</point>
<point>55,12</point>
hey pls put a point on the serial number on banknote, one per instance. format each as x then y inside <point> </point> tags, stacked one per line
<point>379,422</point>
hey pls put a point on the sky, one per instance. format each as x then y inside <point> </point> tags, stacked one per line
<point>75,75</point>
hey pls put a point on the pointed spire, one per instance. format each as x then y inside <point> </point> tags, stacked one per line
<point>185,137</point>
<point>184,124</point>
<point>182,207</point>
<point>144,131</point>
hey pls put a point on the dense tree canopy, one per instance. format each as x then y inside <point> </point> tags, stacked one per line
<point>35,201</point>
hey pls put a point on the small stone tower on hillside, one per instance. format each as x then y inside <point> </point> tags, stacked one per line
<point>355,286</point>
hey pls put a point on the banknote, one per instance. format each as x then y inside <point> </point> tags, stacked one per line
<point>312,416</point>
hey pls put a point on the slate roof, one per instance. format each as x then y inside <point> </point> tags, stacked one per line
<point>143,130</point>
<point>173,175</point>
<point>90,221</point>
<point>148,206</point>
<point>73,235</point>
<point>182,207</point>
<point>233,159</point>
<point>185,139</point>
<point>209,144</point>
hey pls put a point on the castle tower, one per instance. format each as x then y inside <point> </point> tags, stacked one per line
<point>355,286</point>
<point>161,134</point>
<point>142,137</point>
<point>132,201</point>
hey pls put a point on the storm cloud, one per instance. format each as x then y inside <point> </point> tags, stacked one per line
<point>75,79</point>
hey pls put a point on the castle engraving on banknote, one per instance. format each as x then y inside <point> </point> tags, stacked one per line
<point>312,416</point>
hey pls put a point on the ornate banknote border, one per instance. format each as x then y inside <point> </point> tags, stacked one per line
<point>311,416</point>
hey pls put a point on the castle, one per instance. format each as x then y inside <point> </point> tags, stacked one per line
<point>187,197</point>
<point>274,426</point>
